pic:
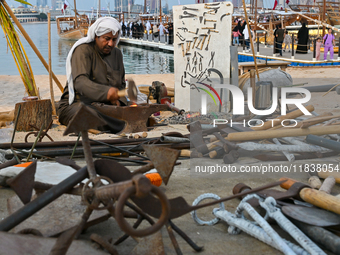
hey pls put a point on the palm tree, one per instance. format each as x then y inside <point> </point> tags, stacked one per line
<point>17,49</point>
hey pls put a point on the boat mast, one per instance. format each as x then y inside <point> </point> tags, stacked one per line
<point>160,11</point>
<point>255,28</point>
<point>324,16</point>
<point>144,6</point>
<point>98,9</point>
<point>75,15</point>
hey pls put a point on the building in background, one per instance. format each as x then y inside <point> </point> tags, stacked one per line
<point>41,2</point>
<point>25,14</point>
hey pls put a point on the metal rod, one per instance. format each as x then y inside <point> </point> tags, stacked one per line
<point>75,146</point>
<point>50,64</point>
<point>121,149</point>
<point>43,200</point>
<point>88,154</point>
<point>13,135</point>
<point>72,143</point>
<point>323,142</point>
<point>185,237</point>
<point>35,142</point>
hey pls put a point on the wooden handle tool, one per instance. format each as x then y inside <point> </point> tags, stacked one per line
<point>315,197</point>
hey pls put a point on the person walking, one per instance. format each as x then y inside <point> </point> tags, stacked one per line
<point>287,41</point>
<point>236,34</point>
<point>328,42</point>
<point>279,35</point>
<point>318,45</point>
<point>246,36</point>
<point>303,36</point>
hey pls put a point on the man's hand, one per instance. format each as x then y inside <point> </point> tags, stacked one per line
<point>112,96</point>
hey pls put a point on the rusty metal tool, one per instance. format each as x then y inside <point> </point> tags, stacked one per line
<point>188,13</point>
<point>315,197</point>
<point>206,47</point>
<point>188,8</point>
<point>179,206</point>
<point>83,120</point>
<point>151,205</point>
<point>226,14</point>
<point>23,183</point>
<point>188,16</point>
<point>163,159</point>
<point>47,197</point>
<point>130,92</point>
<point>135,117</point>
<point>42,135</point>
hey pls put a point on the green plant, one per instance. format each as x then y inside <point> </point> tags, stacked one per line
<point>18,52</point>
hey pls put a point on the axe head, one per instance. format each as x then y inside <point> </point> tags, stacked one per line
<point>163,159</point>
<point>23,183</point>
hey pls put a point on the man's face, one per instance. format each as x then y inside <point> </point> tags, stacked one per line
<point>106,42</point>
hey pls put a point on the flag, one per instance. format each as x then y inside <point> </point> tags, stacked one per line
<point>275,4</point>
<point>287,1</point>
<point>65,6</point>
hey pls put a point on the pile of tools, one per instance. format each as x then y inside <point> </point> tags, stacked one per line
<point>300,140</point>
<point>310,216</point>
<point>102,185</point>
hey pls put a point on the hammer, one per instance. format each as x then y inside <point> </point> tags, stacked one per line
<point>315,197</point>
<point>130,92</point>
<point>209,20</point>
<point>195,39</point>
<point>194,32</point>
<point>205,36</point>
<point>182,45</point>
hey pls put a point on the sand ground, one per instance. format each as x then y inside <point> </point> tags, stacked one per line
<point>184,182</point>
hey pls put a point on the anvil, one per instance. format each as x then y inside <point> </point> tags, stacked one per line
<point>136,117</point>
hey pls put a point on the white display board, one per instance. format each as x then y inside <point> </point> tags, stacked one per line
<point>202,36</point>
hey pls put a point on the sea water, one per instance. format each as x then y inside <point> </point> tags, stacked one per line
<point>136,60</point>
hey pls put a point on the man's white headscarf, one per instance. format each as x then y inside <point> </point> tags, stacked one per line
<point>100,27</point>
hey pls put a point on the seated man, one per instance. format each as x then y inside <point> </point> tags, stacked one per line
<point>95,72</point>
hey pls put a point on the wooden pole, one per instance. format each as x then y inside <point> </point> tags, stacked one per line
<point>323,16</point>
<point>160,13</point>
<point>144,6</point>
<point>28,39</point>
<point>75,15</point>
<point>255,28</point>
<point>251,39</point>
<point>50,64</point>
